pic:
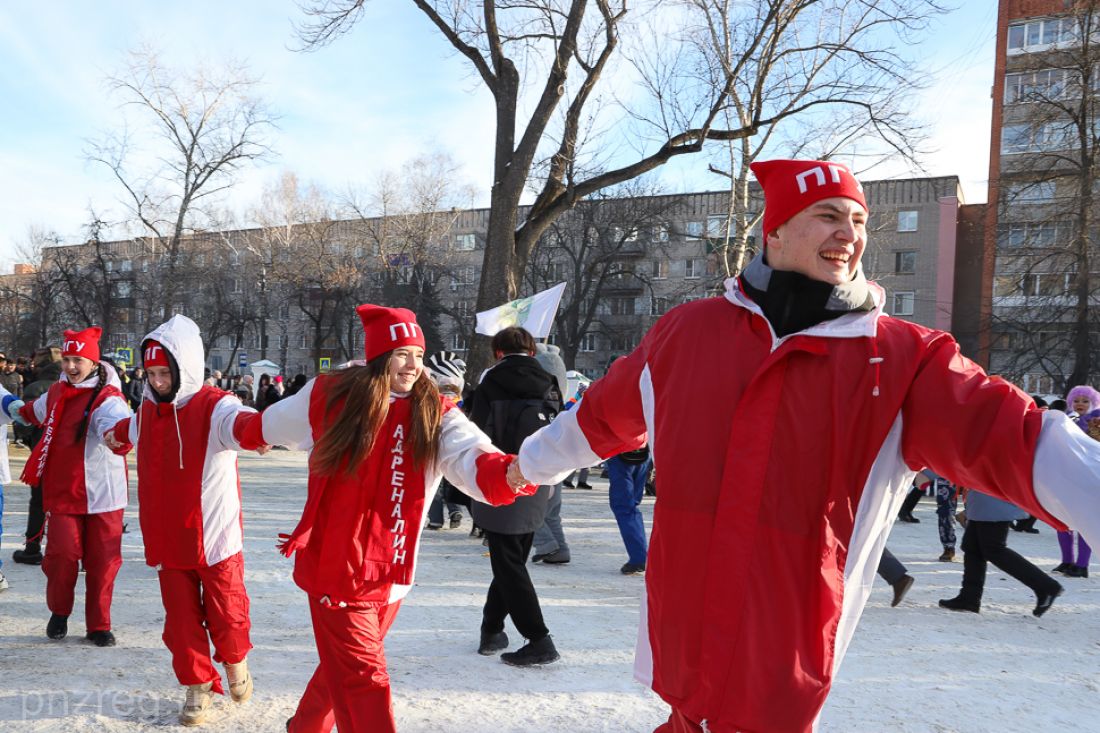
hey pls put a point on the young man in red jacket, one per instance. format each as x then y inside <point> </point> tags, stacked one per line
<point>83,483</point>
<point>781,473</point>
<point>190,499</point>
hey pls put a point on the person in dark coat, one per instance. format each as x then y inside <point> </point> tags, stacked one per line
<point>510,530</point>
<point>47,370</point>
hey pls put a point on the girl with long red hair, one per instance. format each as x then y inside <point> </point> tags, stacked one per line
<point>381,438</point>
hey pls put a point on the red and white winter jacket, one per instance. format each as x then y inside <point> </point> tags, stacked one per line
<point>359,536</point>
<point>77,475</point>
<point>189,492</point>
<point>781,465</point>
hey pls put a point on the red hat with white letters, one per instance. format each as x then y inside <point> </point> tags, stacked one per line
<point>792,185</point>
<point>82,343</point>
<point>154,355</point>
<point>387,329</point>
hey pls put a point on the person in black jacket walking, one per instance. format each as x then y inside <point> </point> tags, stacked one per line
<point>516,376</point>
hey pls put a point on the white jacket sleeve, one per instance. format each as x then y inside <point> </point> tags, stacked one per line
<point>222,420</point>
<point>286,422</point>
<point>555,451</point>
<point>106,416</point>
<point>1067,475</point>
<point>461,444</point>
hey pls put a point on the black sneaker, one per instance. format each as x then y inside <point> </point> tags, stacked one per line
<point>456,520</point>
<point>567,484</point>
<point>1063,568</point>
<point>433,525</point>
<point>908,519</point>
<point>557,557</point>
<point>901,588</point>
<point>958,603</point>
<point>101,638</point>
<point>1076,571</point>
<point>58,626</point>
<point>632,568</point>
<point>492,643</point>
<point>532,653</point>
<point>29,555</point>
<point>583,485</point>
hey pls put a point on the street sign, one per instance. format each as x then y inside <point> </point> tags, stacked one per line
<point>325,363</point>
<point>124,356</point>
<point>242,359</point>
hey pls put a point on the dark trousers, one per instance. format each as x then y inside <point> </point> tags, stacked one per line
<point>911,501</point>
<point>512,593</point>
<point>947,500</point>
<point>890,568</point>
<point>35,516</point>
<point>986,542</point>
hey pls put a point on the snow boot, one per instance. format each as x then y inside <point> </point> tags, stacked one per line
<point>31,554</point>
<point>492,643</point>
<point>901,587</point>
<point>456,520</point>
<point>1076,571</point>
<point>958,603</point>
<point>197,704</point>
<point>58,626</point>
<point>948,555</point>
<point>240,680</point>
<point>532,653</point>
<point>101,638</point>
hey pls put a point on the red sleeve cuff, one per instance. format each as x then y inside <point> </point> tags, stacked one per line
<point>27,411</point>
<point>121,433</point>
<point>492,479</point>
<point>248,430</point>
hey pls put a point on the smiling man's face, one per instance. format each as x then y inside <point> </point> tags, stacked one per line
<point>824,241</point>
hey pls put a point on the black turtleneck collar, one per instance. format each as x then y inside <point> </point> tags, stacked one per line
<point>793,302</point>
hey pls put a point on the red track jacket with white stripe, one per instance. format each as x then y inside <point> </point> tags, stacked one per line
<point>189,491</point>
<point>781,464</point>
<point>358,539</point>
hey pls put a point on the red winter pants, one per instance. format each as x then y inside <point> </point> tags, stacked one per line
<point>678,723</point>
<point>350,687</point>
<point>201,606</point>
<point>95,538</point>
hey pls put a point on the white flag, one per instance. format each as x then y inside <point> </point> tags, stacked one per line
<point>536,314</point>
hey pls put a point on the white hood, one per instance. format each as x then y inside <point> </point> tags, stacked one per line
<point>180,335</point>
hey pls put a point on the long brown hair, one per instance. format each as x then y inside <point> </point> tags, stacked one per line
<point>365,394</point>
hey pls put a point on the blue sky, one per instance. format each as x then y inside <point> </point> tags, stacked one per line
<point>385,93</point>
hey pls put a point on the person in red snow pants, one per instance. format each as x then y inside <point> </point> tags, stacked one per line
<point>382,438</point>
<point>83,483</point>
<point>190,512</point>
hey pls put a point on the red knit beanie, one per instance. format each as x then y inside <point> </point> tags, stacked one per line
<point>792,185</point>
<point>154,355</point>
<point>386,329</point>
<point>82,343</point>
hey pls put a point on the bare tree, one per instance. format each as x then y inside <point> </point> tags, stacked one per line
<point>201,128</point>
<point>601,250</point>
<point>550,66</point>
<point>32,297</point>
<point>1046,285</point>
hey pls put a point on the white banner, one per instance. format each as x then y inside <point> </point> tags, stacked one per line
<point>535,313</point>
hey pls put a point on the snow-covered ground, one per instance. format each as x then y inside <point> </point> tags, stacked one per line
<point>915,668</point>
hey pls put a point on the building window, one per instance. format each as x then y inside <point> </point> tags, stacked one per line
<point>462,277</point>
<point>1038,192</point>
<point>660,233</point>
<point>588,343</point>
<point>1037,35</point>
<point>108,266</point>
<point>552,339</point>
<point>905,263</point>
<point>235,285</point>
<point>458,341</point>
<point>716,227</point>
<point>907,221</point>
<point>658,306</point>
<point>622,306</point>
<point>1041,235</point>
<point>693,230</point>
<point>660,269</point>
<point>903,303</point>
<point>122,289</point>
<point>126,266</point>
<point>1035,86</point>
<point>622,342</point>
<point>465,242</point>
<point>693,268</point>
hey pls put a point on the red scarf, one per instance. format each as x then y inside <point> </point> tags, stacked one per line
<point>36,464</point>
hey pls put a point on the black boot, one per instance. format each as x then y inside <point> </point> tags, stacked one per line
<point>901,587</point>
<point>1043,601</point>
<point>57,627</point>
<point>492,643</point>
<point>1063,568</point>
<point>1076,571</point>
<point>101,638</point>
<point>532,653</point>
<point>958,603</point>
<point>31,554</point>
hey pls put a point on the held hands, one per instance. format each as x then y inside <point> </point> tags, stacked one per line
<point>13,412</point>
<point>109,439</point>
<point>515,477</point>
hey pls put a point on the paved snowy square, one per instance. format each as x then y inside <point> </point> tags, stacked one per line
<point>915,668</point>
